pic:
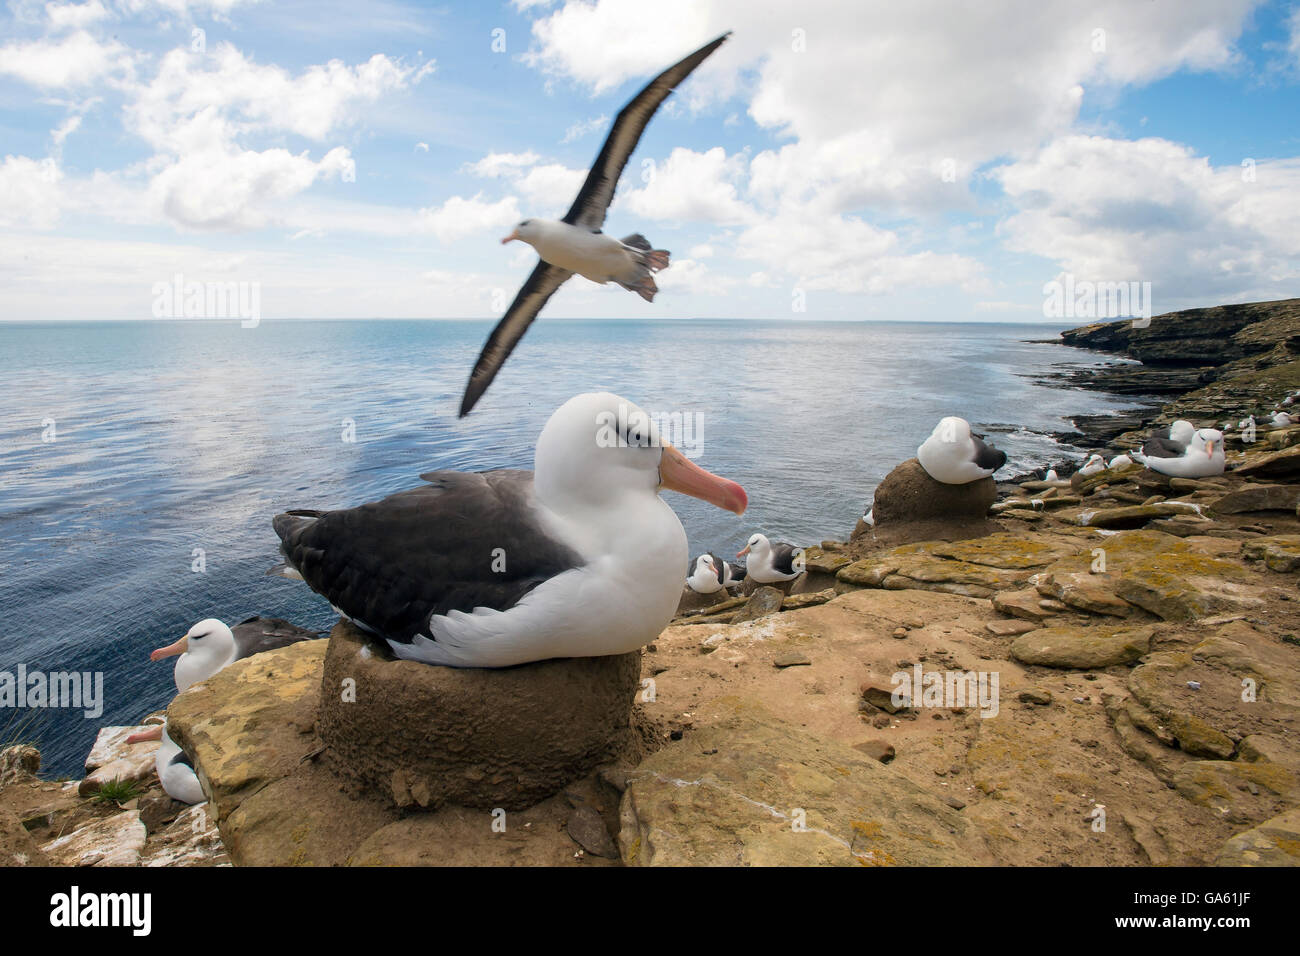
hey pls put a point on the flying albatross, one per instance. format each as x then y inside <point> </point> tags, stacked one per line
<point>575,243</point>
<point>579,558</point>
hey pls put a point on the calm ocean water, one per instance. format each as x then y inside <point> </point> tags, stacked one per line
<point>176,436</point>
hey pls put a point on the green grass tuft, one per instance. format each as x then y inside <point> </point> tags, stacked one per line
<point>118,791</point>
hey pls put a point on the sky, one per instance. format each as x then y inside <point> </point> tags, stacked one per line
<point>833,160</point>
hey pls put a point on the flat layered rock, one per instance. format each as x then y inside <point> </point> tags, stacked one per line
<point>1133,516</point>
<point>112,758</point>
<point>1006,551</point>
<point>1186,586</point>
<point>1023,603</point>
<point>1283,464</point>
<point>110,841</point>
<point>751,789</point>
<point>823,561</point>
<point>1242,792</point>
<point>1275,842</point>
<point>1082,647</point>
<point>762,602</point>
<point>1278,552</point>
<point>1257,498</point>
<point>1093,593</point>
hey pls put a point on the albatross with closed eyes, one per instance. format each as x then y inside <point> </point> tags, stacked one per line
<point>575,243</point>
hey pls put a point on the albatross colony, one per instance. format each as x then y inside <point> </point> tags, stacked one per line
<point>575,243</point>
<point>579,558</point>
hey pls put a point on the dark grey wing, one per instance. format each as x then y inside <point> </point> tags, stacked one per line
<point>391,564</point>
<point>181,758</point>
<point>1158,447</point>
<point>637,241</point>
<point>783,557</point>
<point>986,456</point>
<point>596,193</point>
<point>539,287</point>
<point>718,567</point>
<point>258,634</point>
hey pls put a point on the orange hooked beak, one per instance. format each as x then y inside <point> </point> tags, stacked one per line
<point>171,650</point>
<point>513,235</point>
<point>1209,449</point>
<point>153,733</point>
<point>679,473</point>
<point>741,554</point>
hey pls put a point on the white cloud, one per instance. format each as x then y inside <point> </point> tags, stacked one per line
<point>198,108</point>
<point>75,15</point>
<point>248,96</point>
<point>29,192</point>
<point>690,187</point>
<point>689,276</point>
<point>583,127</point>
<point>876,104</point>
<point>236,189</point>
<point>496,165</point>
<point>551,187</point>
<point>603,44</point>
<point>1152,210</point>
<point>75,61</point>
<point>459,218</point>
<point>846,254</point>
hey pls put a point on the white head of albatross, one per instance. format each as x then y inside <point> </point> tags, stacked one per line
<point>205,649</point>
<point>591,555</point>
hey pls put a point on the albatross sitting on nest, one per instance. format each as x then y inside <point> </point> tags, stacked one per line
<point>579,558</point>
<point>207,648</point>
<point>955,455</point>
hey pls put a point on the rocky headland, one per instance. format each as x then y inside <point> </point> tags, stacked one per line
<point>1118,663</point>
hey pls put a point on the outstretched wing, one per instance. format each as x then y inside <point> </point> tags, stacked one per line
<point>462,541</point>
<point>598,190</point>
<point>541,285</point>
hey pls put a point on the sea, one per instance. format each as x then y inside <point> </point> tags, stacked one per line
<point>141,462</point>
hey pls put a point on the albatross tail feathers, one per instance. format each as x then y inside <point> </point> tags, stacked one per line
<point>656,260</point>
<point>644,287</point>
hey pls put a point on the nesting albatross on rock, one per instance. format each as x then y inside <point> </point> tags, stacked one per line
<point>575,243</point>
<point>955,455</point>
<point>205,649</point>
<point>579,558</point>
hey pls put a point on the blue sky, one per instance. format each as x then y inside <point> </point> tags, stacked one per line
<point>922,161</point>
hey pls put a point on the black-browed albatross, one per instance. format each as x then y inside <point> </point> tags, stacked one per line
<point>205,649</point>
<point>575,243</point>
<point>579,558</point>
